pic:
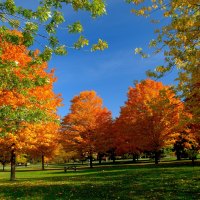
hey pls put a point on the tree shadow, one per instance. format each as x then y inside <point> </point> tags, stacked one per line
<point>107,183</point>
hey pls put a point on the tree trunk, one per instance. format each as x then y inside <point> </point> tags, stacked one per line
<point>156,157</point>
<point>113,156</point>
<point>193,161</point>
<point>134,158</point>
<point>178,155</point>
<point>100,156</point>
<point>100,159</point>
<point>3,167</point>
<point>42,162</point>
<point>90,161</point>
<point>13,165</point>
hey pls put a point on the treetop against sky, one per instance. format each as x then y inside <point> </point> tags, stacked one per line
<point>109,72</point>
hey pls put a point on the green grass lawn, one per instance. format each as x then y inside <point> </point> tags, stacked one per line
<point>127,181</point>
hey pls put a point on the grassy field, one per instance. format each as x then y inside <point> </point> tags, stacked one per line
<point>126,181</point>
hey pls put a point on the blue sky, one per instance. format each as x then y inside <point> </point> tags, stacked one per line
<point>112,71</point>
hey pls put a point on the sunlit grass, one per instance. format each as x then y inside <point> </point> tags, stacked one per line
<point>166,181</point>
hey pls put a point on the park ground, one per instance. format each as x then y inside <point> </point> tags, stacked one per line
<point>166,181</point>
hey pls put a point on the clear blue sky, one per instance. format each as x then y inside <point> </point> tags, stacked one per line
<point>112,71</point>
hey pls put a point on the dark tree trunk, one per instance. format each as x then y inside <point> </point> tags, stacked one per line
<point>3,166</point>
<point>134,157</point>
<point>100,159</point>
<point>178,155</point>
<point>193,161</point>
<point>100,156</point>
<point>112,154</point>
<point>42,162</point>
<point>12,164</point>
<point>90,161</point>
<point>113,157</point>
<point>156,157</point>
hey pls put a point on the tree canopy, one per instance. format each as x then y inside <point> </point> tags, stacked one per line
<point>149,119</point>
<point>26,95</point>
<point>85,127</point>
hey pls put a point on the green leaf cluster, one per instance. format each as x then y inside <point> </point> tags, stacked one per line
<point>101,45</point>
<point>48,15</point>
<point>11,120</point>
<point>81,42</point>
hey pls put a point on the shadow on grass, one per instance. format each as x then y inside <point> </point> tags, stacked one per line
<point>145,164</point>
<point>130,182</point>
<point>107,187</point>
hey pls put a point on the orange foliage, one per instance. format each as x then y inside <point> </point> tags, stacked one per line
<point>149,118</point>
<point>18,54</point>
<point>35,137</point>
<point>39,139</point>
<point>85,127</point>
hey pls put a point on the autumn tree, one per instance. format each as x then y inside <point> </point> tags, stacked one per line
<point>84,127</point>
<point>181,145</point>
<point>22,99</point>
<point>63,155</point>
<point>150,116</point>
<point>126,139</point>
<point>178,40</point>
<point>4,153</point>
<point>104,134</point>
<point>40,140</point>
<point>22,159</point>
<point>188,140</point>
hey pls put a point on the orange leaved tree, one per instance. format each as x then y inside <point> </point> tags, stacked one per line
<point>188,142</point>
<point>82,128</point>
<point>104,134</point>
<point>40,140</point>
<point>126,138</point>
<point>150,116</point>
<point>26,95</point>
